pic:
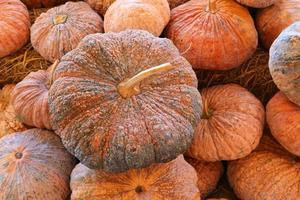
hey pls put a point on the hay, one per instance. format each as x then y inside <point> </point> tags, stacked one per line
<point>15,67</point>
<point>253,75</point>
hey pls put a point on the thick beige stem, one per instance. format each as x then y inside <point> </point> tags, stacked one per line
<point>130,87</point>
<point>51,71</point>
<point>212,7</point>
<point>60,19</point>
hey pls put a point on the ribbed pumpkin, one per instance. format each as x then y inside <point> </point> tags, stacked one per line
<point>15,25</point>
<point>274,19</point>
<point>216,34</point>
<point>100,6</point>
<point>269,173</point>
<point>176,180</point>
<point>118,104</point>
<point>42,3</point>
<point>231,126</point>
<point>284,62</point>
<point>257,3</point>
<point>34,165</point>
<point>283,118</point>
<point>9,121</point>
<point>60,29</point>
<point>149,15</point>
<point>208,173</point>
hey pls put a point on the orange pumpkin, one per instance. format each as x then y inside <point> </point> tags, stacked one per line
<point>100,6</point>
<point>149,15</point>
<point>231,126</point>
<point>257,3</point>
<point>176,180</point>
<point>42,3</point>
<point>60,29</point>
<point>15,25</point>
<point>272,20</point>
<point>269,173</point>
<point>283,118</point>
<point>217,34</point>
<point>34,165</point>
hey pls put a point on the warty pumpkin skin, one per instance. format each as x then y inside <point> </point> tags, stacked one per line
<point>34,165</point>
<point>175,180</point>
<point>105,129</point>
<point>257,3</point>
<point>42,3</point>
<point>268,173</point>
<point>216,34</point>
<point>60,29</point>
<point>231,126</point>
<point>149,15</point>
<point>15,26</point>
<point>283,118</point>
<point>271,21</point>
<point>284,62</point>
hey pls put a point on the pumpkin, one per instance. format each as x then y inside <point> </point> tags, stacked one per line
<point>34,165</point>
<point>9,121</point>
<point>208,174</point>
<point>42,3</point>
<point>257,3</point>
<point>60,29</point>
<point>217,34</point>
<point>284,62</point>
<point>149,15</point>
<point>15,25</point>
<point>231,125</point>
<point>30,99</point>
<point>271,21</point>
<point>175,180</point>
<point>118,104</point>
<point>283,118</point>
<point>100,6</point>
<point>269,173</point>
<point>175,3</point>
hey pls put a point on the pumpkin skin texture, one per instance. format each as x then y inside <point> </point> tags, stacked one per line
<point>283,118</point>
<point>208,174</point>
<point>42,3</point>
<point>100,6</point>
<point>107,131</point>
<point>284,62</point>
<point>218,36</point>
<point>257,3</point>
<point>271,21</point>
<point>175,180</point>
<point>34,165</point>
<point>9,122</point>
<point>15,26</point>
<point>60,29</point>
<point>269,173</point>
<point>231,125</point>
<point>149,15</point>
<point>30,99</point>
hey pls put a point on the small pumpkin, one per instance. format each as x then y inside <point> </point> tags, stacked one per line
<point>175,180</point>
<point>257,3</point>
<point>269,173</point>
<point>15,26</point>
<point>271,21</point>
<point>208,173</point>
<point>213,34</point>
<point>283,118</point>
<point>149,15</point>
<point>34,165</point>
<point>60,29</point>
<point>231,126</point>
<point>118,104</point>
<point>9,121</point>
<point>42,3</point>
<point>284,62</point>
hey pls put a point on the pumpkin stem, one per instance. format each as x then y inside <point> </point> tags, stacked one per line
<point>18,155</point>
<point>130,87</point>
<point>207,112</point>
<point>51,71</point>
<point>212,7</point>
<point>139,189</point>
<point>60,19</point>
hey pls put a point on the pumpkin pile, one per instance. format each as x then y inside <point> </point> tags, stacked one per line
<point>149,99</point>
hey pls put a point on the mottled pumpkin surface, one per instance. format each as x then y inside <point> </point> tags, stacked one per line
<point>34,165</point>
<point>61,28</point>
<point>14,26</point>
<point>103,129</point>
<point>231,125</point>
<point>176,180</point>
<point>100,6</point>
<point>257,3</point>
<point>283,118</point>
<point>220,35</point>
<point>284,62</point>
<point>42,3</point>
<point>272,20</point>
<point>269,173</point>
<point>208,173</point>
